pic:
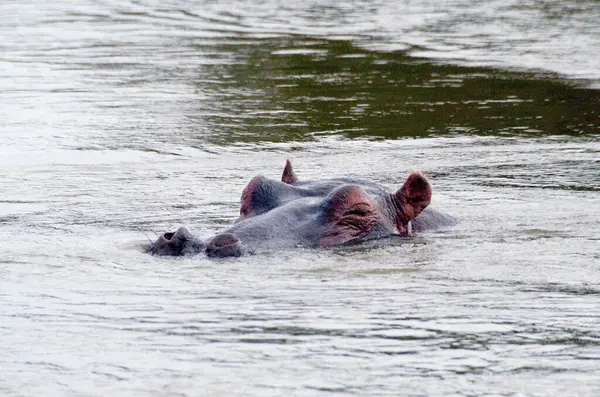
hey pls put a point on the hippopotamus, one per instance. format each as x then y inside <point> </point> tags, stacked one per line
<point>321,213</point>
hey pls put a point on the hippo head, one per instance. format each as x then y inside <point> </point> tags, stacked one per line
<point>291,212</point>
<point>348,210</point>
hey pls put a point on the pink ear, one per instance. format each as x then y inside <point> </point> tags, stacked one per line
<point>414,196</point>
<point>288,175</point>
<point>246,200</point>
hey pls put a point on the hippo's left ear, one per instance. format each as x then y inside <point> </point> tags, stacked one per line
<point>414,195</point>
<point>288,175</point>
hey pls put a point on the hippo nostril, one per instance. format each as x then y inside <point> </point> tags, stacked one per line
<point>225,239</point>
<point>224,245</point>
<point>168,236</point>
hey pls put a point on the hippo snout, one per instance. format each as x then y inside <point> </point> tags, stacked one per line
<point>178,243</point>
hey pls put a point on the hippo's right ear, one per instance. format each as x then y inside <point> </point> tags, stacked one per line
<point>288,175</point>
<point>414,195</point>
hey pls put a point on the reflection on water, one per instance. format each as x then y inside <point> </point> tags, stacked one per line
<point>316,88</point>
<point>121,119</point>
<point>97,74</point>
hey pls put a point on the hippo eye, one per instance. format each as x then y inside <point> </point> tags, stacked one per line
<point>355,212</point>
<point>358,210</point>
<point>350,213</point>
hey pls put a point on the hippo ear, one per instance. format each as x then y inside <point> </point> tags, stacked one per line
<point>413,196</point>
<point>288,175</point>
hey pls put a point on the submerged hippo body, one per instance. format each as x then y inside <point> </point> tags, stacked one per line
<point>291,213</point>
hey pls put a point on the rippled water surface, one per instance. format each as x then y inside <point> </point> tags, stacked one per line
<point>119,120</point>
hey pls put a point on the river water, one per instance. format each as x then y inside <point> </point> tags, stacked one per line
<point>119,120</point>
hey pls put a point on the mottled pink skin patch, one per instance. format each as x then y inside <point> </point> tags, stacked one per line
<point>288,175</point>
<point>249,190</point>
<point>352,214</point>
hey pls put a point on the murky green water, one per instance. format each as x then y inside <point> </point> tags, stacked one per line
<point>120,119</point>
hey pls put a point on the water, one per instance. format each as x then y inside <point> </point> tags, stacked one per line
<point>120,119</point>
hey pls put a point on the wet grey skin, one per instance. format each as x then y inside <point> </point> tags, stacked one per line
<point>328,213</point>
